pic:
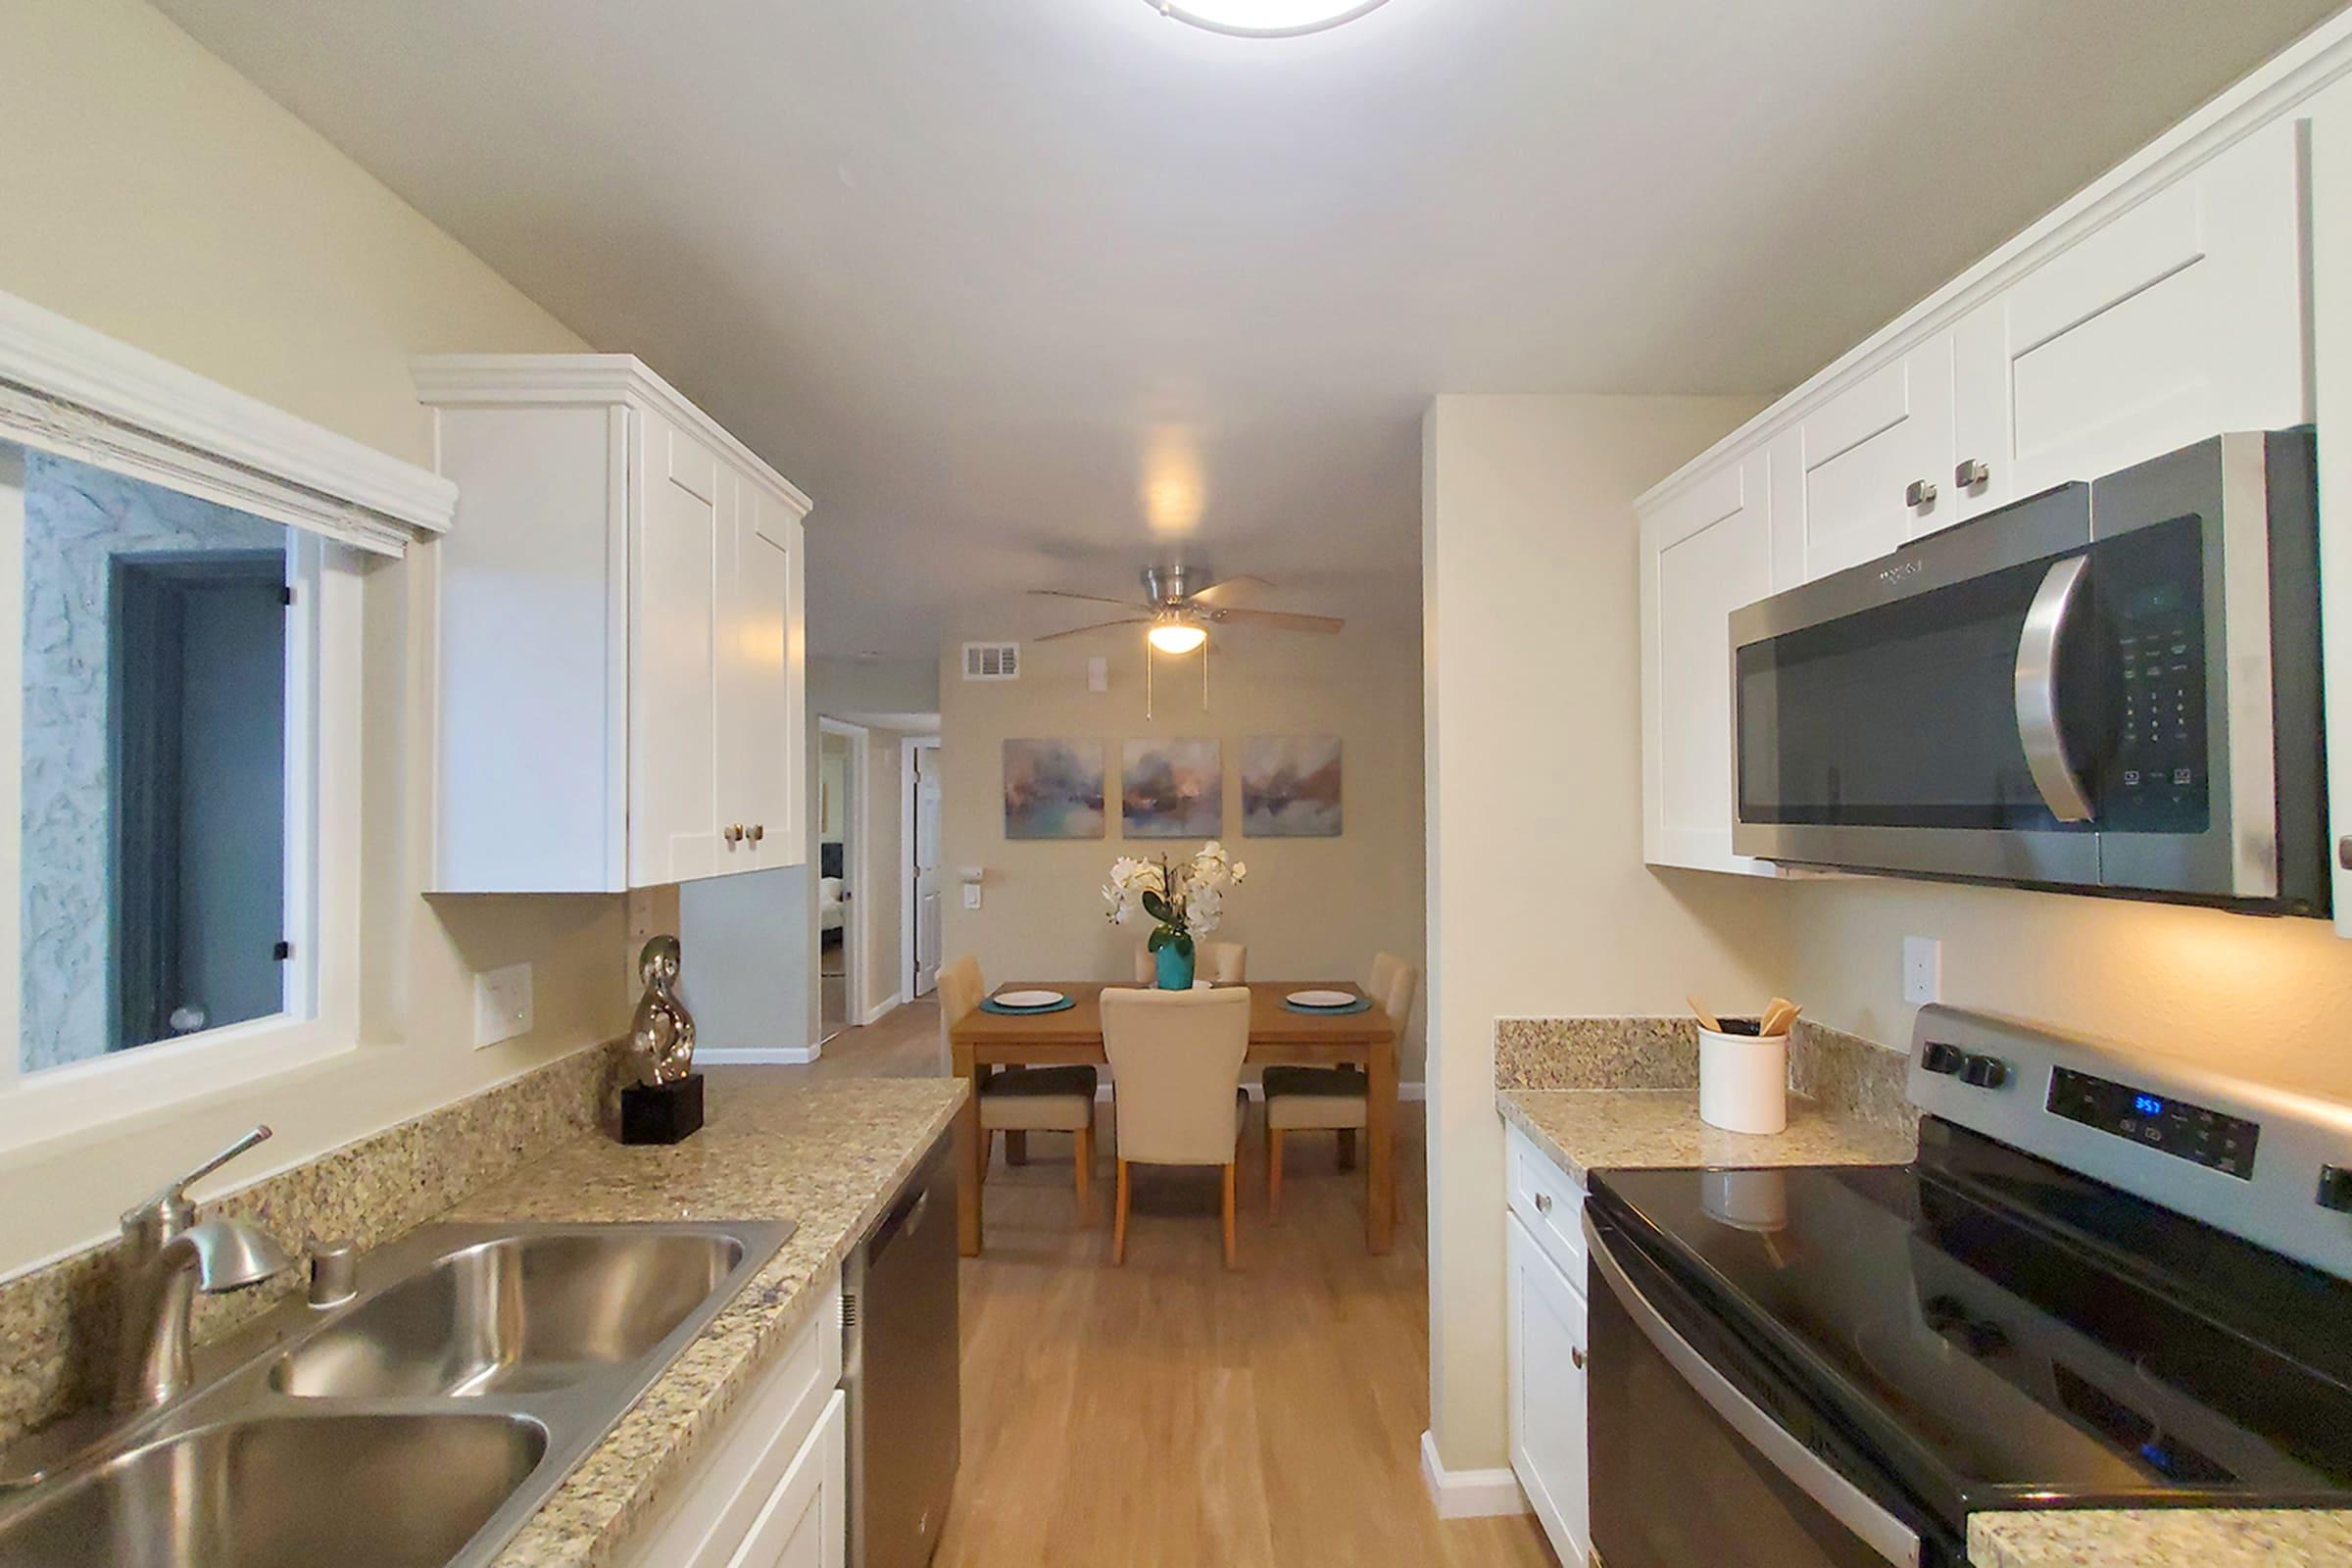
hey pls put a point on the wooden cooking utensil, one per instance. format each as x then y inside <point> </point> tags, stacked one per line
<point>1778,1017</point>
<point>1705,1018</point>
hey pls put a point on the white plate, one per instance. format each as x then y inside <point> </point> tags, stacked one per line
<point>1028,999</point>
<point>1323,998</point>
<point>1205,985</point>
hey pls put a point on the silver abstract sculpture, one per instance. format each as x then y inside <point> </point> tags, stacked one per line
<point>661,1034</point>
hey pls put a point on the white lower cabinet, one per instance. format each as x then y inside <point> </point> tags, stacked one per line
<point>771,1489</point>
<point>1546,1345</point>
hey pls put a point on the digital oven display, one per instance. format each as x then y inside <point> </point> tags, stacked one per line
<point>2213,1139</point>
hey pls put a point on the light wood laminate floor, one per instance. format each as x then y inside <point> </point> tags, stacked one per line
<point>1174,1413</point>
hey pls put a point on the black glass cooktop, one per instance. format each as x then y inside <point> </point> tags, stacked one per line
<point>2001,1332</point>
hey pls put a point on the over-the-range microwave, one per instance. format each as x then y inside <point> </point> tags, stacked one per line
<point>2109,687</point>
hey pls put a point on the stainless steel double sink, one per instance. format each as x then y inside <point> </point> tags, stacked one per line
<point>416,1425</point>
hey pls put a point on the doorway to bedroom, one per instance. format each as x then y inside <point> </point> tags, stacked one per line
<point>840,852</point>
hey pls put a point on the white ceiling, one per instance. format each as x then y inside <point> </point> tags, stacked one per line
<point>1026,291</point>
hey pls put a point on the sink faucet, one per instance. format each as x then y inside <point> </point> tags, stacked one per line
<point>168,1253</point>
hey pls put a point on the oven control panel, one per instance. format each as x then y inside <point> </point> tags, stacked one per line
<point>2214,1138</point>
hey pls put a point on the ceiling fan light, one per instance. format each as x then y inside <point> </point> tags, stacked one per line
<point>1264,19</point>
<point>1177,637</point>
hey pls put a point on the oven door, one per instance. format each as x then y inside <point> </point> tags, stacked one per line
<point>1701,1456</point>
<point>1900,715</point>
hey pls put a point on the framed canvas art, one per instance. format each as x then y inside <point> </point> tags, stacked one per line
<point>1172,789</point>
<point>1290,787</point>
<point>1054,789</point>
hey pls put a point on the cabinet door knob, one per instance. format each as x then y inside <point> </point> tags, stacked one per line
<point>1972,474</point>
<point>2343,852</point>
<point>757,832</point>
<point>1920,493</point>
<point>733,834</point>
<point>1577,1355</point>
<point>1542,1203</point>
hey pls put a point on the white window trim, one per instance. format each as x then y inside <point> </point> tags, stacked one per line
<point>321,1018</point>
<point>69,390</point>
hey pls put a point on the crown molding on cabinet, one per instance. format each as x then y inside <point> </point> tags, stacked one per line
<point>2295,75</point>
<point>541,380</point>
<point>71,390</point>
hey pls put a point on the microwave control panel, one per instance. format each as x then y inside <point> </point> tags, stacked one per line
<point>2151,599</point>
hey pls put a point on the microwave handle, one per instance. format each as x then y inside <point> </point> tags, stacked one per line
<point>1882,1532</point>
<point>2037,690</point>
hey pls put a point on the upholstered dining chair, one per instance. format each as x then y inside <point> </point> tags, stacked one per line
<point>1176,1087</point>
<point>1332,1099</point>
<point>1224,964</point>
<point>1019,1100</point>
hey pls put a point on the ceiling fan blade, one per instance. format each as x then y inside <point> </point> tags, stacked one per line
<point>1133,620</point>
<point>1284,620</point>
<point>1211,594</point>
<point>1091,599</point>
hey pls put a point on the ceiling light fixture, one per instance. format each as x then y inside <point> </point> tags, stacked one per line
<point>1177,637</point>
<point>1264,19</point>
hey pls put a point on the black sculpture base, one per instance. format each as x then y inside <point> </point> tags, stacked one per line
<point>662,1113</point>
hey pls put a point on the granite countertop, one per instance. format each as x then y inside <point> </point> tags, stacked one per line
<point>1601,1129</point>
<point>2162,1537</point>
<point>826,1155</point>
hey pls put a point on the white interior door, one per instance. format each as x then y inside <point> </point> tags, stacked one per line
<point>922,902</point>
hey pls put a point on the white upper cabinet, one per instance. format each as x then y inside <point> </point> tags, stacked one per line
<point>619,658</point>
<point>2331,334</point>
<point>1866,469</point>
<point>2171,301</point>
<point>2180,319</point>
<point>1704,553</point>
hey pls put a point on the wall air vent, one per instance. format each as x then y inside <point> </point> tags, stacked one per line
<point>992,660</point>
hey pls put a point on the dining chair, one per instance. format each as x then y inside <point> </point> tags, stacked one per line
<point>1224,964</point>
<point>1019,1100</point>
<point>1176,1087</point>
<point>1332,1099</point>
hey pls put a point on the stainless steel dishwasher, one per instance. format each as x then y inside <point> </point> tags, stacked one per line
<point>901,1363</point>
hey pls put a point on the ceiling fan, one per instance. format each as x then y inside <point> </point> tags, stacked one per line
<point>1180,607</point>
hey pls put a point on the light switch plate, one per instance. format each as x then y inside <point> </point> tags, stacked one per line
<point>1923,970</point>
<point>971,895</point>
<point>502,1003</point>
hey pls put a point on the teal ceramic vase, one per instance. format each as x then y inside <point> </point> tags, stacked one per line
<point>1175,968</point>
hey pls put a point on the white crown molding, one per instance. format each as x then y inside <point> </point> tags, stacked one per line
<point>2314,62</point>
<point>68,389</point>
<point>540,380</point>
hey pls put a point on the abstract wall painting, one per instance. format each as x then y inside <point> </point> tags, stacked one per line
<point>1054,789</point>
<point>1290,787</point>
<point>1172,789</point>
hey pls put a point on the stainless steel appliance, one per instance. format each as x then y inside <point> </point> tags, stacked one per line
<point>2101,1283</point>
<point>900,1358</point>
<point>2111,687</point>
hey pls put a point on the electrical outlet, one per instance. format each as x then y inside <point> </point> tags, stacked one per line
<point>502,1003</point>
<point>1923,970</point>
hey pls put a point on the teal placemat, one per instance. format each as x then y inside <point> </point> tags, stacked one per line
<point>1360,1004</point>
<point>992,1005</point>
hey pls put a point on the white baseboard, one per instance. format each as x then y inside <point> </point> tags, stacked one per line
<point>875,1013</point>
<point>757,1056</point>
<point>1468,1494</point>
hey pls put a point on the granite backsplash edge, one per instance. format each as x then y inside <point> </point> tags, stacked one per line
<point>1847,1076</point>
<point>58,1321</point>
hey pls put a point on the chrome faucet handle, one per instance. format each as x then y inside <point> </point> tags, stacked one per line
<point>168,1212</point>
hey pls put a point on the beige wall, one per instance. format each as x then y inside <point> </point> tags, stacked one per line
<point>152,193</point>
<point>1311,907</point>
<point>2264,997</point>
<point>1539,903</point>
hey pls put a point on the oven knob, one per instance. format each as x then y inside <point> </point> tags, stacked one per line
<point>1941,1058</point>
<point>1986,1072</point>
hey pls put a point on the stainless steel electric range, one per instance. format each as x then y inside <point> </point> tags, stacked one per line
<point>2102,1282</point>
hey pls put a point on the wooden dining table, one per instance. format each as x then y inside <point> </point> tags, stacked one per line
<point>1277,1035</point>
